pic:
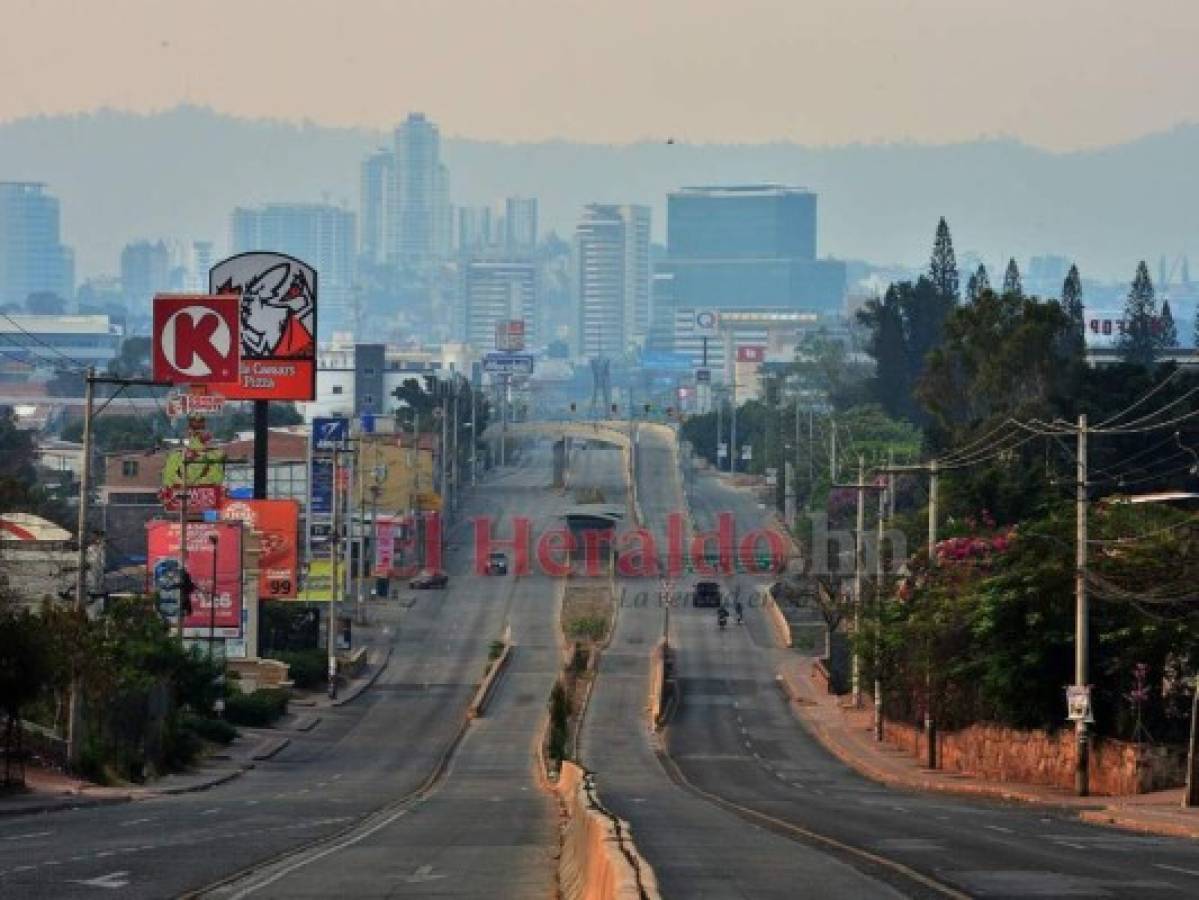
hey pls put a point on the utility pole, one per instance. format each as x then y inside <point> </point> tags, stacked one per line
<point>879,586</point>
<point>445,448</point>
<point>474,436</point>
<point>456,465</point>
<point>811,456</point>
<point>336,586</point>
<point>360,588</point>
<point>930,721</point>
<point>719,427</point>
<point>832,449</point>
<point>857,583</point>
<point>75,711</point>
<point>1081,616</point>
<point>733,448</point>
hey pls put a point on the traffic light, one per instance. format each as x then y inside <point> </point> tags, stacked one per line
<point>187,587</point>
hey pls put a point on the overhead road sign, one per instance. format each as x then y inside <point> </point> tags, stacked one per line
<point>196,338</point>
<point>329,434</point>
<point>508,363</point>
<point>278,303</point>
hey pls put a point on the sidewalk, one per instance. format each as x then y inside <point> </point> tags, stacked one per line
<point>378,636</point>
<point>848,734</point>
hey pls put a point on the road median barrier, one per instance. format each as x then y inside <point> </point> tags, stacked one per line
<point>663,687</point>
<point>598,859</point>
<point>483,694</point>
<point>778,621</point>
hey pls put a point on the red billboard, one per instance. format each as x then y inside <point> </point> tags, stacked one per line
<point>751,354</point>
<point>278,325</point>
<point>221,618</point>
<point>278,521</point>
<point>196,338</point>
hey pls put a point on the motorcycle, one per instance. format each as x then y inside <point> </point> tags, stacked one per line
<point>722,619</point>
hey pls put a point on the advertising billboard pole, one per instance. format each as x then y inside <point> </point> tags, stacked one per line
<point>183,537</point>
<point>335,587</point>
<point>212,591</point>
<point>261,436</point>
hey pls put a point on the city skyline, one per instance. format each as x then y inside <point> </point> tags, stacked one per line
<point>759,77</point>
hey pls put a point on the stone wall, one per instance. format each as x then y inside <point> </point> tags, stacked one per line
<point>1038,757</point>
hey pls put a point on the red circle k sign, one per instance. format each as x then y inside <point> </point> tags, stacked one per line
<point>196,339</point>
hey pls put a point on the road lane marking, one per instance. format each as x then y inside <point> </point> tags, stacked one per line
<point>1071,844</point>
<point>209,812</point>
<point>1194,872</point>
<point>998,828</point>
<point>308,860</point>
<point>136,822</point>
<point>112,881</point>
<point>29,835</point>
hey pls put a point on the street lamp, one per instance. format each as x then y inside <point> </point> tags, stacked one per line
<point>214,541</point>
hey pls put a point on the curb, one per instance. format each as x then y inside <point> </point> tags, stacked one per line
<point>64,804</point>
<point>487,686</point>
<point>357,690</point>
<point>1114,819</point>
<point>270,748</point>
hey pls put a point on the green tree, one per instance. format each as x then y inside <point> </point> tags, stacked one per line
<point>1138,341</point>
<point>1072,307</point>
<point>1012,283</point>
<point>943,266</point>
<point>45,303</point>
<point>978,283</point>
<point>1167,331</point>
<point>903,327</point>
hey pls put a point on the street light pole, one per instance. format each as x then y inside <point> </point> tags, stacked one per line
<point>214,541</point>
<point>1081,616</point>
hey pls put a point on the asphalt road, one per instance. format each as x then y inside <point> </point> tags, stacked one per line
<point>734,736</point>
<point>695,848</point>
<point>360,757</point>
<point>486,829</point>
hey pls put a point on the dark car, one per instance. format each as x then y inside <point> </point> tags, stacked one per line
<point>707,593</point>
<point>497,564</point>
<point>428,580</point>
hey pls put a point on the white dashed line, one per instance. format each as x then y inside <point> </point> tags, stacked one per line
<point>29,835</point>
<point>209,812</point>
<point>1194,872</point>
<point>1071,844</point>
<point>999,828</point>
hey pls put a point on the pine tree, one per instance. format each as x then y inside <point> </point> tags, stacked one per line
<point>1072,307</point>
<point>1138,339</point>
<point>979,283</point>
<point>943,266</point>
<point>1167,331</point>
<point>1011,279</point>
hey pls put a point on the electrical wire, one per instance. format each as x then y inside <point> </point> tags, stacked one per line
<point>1153,392</point>
<point>34,337</point>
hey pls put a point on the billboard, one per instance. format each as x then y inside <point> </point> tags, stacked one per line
<point>385,545</point>
<point>751,354</point>
<point>510,335</point>
<point>278,521</point>
<point>329,433</point>
<point>318,583</point>
<point>320,482</point>
<point>195,339</point>
<point>278,325</point>
<point>203,538</point>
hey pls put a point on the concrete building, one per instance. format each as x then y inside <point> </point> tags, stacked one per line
<point>202,260</point>
<point>744,248</point>
<point>520,225</point>
<point>88,340</point>
<point>322,236</point>
<point>32,257</point>
<point>612,278</point>
<point>420,219</point>
<point>376,182</point>
<point>494,290</point>
<point>145,271</point>
<point>475,230</point>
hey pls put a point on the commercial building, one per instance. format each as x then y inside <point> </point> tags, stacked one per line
<point>322,236</point>
<point>33,259</point>
<point>747,248</point>
<point>612,278</point>
<point>145,271</point>
<point>376,182</point>
<point>520,225</point>
<point>420,219</point>
<point>51,340</point>
<point>495,290</point>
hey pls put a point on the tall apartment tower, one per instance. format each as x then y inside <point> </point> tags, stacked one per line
<point>494,290</point>
<point>145,271</point>
<point>32,257</point>
<point>320,235</point>
<point>375,184</point>
<point>420,220</point>
<point>520,224</point>
<point>612,278</point>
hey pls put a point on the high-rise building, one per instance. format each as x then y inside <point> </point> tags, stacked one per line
<point>376,182</point>
<point>495,290</point>
<point>474,229</point>
<point>33,259</point>
<point>612,278</point>
<point>420,219</point>
<point>320,235</point>
<point>202,260</point>
<point>145,271</point>
<point>746,248</point>
<point>520,224</point>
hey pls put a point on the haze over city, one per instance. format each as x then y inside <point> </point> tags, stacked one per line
<point>599,450</point>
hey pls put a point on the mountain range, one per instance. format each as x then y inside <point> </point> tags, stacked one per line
<point>178,174</point>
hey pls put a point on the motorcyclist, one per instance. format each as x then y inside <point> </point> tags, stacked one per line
<point>740,612</point>
<point>722,616</point>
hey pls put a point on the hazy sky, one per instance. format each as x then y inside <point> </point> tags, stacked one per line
<point>1058,73</point>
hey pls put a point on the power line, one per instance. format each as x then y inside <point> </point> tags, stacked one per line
<point>1153,392</point>
<point>49,347</point>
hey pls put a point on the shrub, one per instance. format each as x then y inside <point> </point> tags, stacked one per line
<point>257,710</point>
<point>308,669</point>
<point>218,731</point>
<point>591,627</point>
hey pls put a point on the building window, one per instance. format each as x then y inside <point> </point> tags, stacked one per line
<point>368,401</point>
<point>337,388</point>
<point>129,468</point>
<point>369,370</point>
